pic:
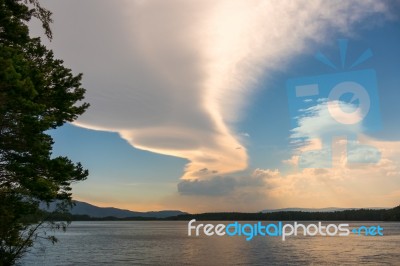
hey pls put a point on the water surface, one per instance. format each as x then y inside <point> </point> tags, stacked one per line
<point>167,243</point>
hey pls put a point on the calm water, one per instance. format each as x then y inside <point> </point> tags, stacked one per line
<point>167,243</point>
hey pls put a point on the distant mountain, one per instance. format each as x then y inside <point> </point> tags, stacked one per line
<point>83,208</point>
<point>329,209</point>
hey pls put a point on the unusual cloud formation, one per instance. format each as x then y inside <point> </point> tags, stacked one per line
<point>173,76</point>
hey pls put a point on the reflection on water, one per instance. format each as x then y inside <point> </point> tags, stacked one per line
<point>167,243</point>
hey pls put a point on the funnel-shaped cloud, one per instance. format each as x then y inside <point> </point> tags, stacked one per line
<point>173,76</point>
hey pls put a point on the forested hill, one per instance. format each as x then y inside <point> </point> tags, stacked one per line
<point>345,215</point>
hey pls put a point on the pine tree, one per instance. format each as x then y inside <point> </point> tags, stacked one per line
<point>37,94</point>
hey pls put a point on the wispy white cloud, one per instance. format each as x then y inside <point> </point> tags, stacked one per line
<point>319,136</point>
<point>172,77</point>
<point>318,121</point>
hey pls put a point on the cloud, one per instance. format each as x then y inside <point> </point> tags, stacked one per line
<point>319,136</point>
<point>318,122</point>
<point>247,192</point>
<point>362,185</point>
<point>221,185</point>
<point>172,77</point>
<point>216,186</point>
<point>336,163</point>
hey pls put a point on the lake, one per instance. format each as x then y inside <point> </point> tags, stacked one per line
<point>167,243</point>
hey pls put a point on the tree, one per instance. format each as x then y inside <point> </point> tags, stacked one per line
<point>37,93</point>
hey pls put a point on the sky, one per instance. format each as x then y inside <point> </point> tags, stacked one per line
<point>232,105</point>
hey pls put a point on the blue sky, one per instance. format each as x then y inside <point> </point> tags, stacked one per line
<point>196,117</point>
<point>271,96</point>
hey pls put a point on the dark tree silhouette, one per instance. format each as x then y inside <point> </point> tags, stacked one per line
<point>37,93</point>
